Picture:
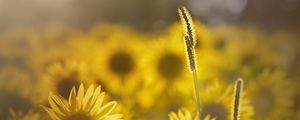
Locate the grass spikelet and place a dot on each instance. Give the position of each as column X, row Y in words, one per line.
column 187, row 21
column 189, row 37
column 190, row 43
column 237, row 98
column 190, row 53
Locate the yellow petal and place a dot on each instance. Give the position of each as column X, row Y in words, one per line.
column 80, row 96
column 88, row 95
column 98, row 104
column 106, row 109
column 54, row 105
column 72, row 99
column 51, row 113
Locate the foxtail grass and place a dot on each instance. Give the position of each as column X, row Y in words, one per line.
column 190, row 43
column 237, row 99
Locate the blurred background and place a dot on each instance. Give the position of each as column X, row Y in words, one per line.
column 134, row 49
column 149, row 16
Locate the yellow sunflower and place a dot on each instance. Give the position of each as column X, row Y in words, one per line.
column 143, row 93
column 85, row 104
column 246, row 52
column 166, row 53
column 165, row 63
column 271, row 95
column 216, row 101
column 61, row 76
column 122, row 57
column 184, row 114
column 165, row 58
column 118, row 60
column 204, row 38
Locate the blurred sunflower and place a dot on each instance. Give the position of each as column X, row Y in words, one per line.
column 118, row 61
column 184, row 114
column 165, row 63
column 19, row 115
column 61, row 76
column 15, row 89
column 204, row 37
column 216, row 101
column 271, row 96
column 244, row 53
column 121, row 58
column 166, row 59
column 82, row 104
column 167, row 53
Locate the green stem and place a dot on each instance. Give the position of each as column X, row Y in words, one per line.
column 197, row 92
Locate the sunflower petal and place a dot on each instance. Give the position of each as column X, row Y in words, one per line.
column 98, row 104
column 88, row 96
column 80, row 96
column 114, row 117
column 106, row 109
column 51, row 113
column 72, row 99
column 55, row 105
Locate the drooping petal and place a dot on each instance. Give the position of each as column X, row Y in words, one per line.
column 51, row 113
column 106, row 109
column 55, row 105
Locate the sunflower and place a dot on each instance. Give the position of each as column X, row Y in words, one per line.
column 271, row 96
column 207, row 57
column 244, row 53
column 122, row 57
column 216, row 101
column 15, row 89
column 166, row 58
column 166, row 53
column 118, row 60
column 61, row 76
column 83, row 104
column 165, row 63
column 184, row 114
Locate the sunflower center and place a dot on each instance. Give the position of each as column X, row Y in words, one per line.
column 249, row 59
column 263, row 102
column 121, row 63
column 229, row 75
column 170, row 66
column 65, row 85
column 198, row 44
column 220, row 44
column 216, row 110
column 79, row 116
column 296, row 102
column 12, row 101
